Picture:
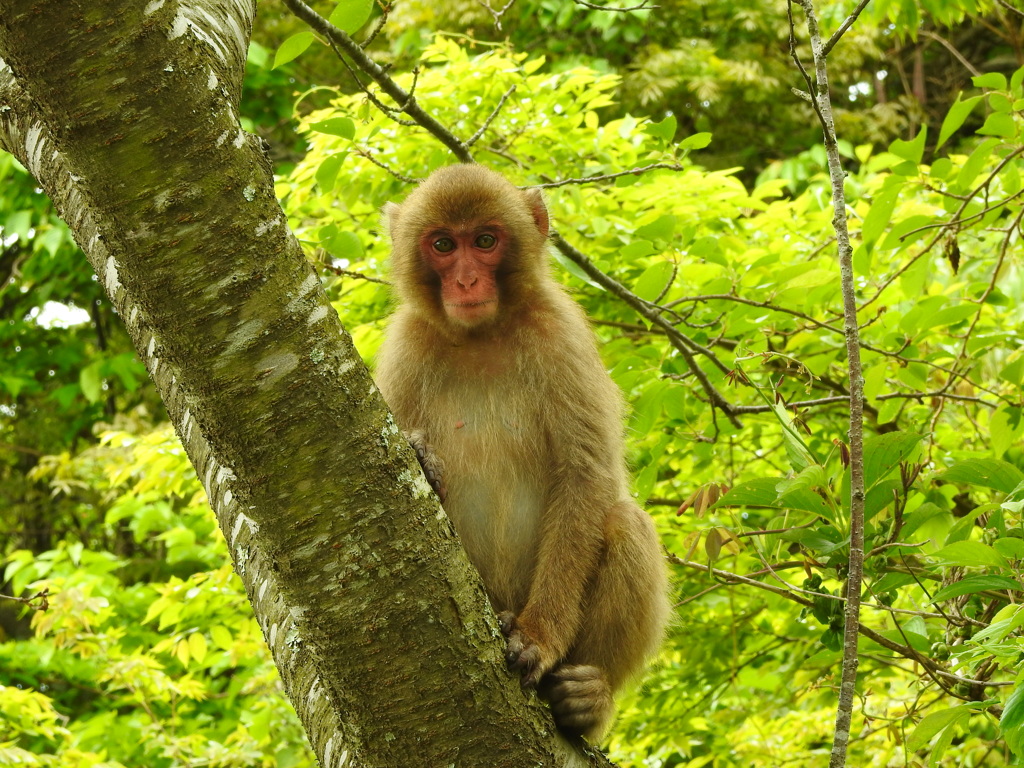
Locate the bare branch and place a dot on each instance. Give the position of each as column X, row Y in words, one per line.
column 843, row 28
column 903, row 650
column 609, row 176
column 490, row 118
column 593, row 6
column 496, row 14
column 1009, row 7
column 377, row 73
column 949, row 47
column 365, row 153
column 855, row 570
column 684, row 345
column 385, row 9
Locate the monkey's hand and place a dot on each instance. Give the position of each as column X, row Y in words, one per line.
column 431, row 464
column 526, row 652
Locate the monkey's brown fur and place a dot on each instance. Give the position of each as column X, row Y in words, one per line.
column 528, row 427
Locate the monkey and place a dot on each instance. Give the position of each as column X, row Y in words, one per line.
column 493, row 372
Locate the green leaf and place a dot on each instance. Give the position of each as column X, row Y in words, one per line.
column 910, row 150
column 753, row 493
column 999, row 102
column 807, row 500
column 341, row 245
column 936, row 722
column 336, row 126
column 880, row 213
column 709, row 249
column 971, row 554
column 988, row 473
column 799, row 454
column 883, row 453
column 665, row 130
column 1006, row 426
column 956, row 116
column 350, row 15
column 971, row 584
column 1015, row 81
column 995, row 81
column 91, row 382
column 1013, row 710
column 999, row 124
column 637, row 249
column 327, row 173
column 1008, row 619
column 18, row 223
column 697, row 141
column 654, row 280
column 1009, row 547
column 977, row 160
column 660, row 229
column 291, row 48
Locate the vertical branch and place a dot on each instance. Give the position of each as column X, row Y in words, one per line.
column 823, row 107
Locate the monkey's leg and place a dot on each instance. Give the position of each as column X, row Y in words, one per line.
column 624, row 618
column 432, row 466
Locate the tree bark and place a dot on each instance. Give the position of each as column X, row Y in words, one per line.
column 126, row 114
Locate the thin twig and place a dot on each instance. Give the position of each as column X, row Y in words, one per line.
column 642, row 7
column 497, row 14
column 377, row 73
column 385, row 11
column 609, row 176
column 949, row 47
column 490, row 118
column 365, row 153
column 902, row 650
column 682, row 343
column 1009, row 7
column 843, row 28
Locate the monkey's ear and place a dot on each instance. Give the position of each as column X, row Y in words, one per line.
column 535, row 200
column 389, row 216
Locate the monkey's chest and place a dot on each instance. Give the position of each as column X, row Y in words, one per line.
column 495, row 476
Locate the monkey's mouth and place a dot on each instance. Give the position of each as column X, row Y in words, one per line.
column 471, row 312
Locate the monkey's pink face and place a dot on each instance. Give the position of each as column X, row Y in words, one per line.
column 466, row 261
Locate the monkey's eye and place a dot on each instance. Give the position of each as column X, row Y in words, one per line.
column 444, row 245
column 486, row 241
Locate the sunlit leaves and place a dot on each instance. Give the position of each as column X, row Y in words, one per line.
column 350, row 15
column 292, row 48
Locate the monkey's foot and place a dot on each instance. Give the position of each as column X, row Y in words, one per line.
column 432, row 466
column 580, row 699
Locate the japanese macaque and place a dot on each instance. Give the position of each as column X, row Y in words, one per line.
column 493, row 372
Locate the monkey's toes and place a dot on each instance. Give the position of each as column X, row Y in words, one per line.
column 432, row 466
column 580, row 699
column 507, row 622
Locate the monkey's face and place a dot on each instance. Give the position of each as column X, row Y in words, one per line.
column 466, row 260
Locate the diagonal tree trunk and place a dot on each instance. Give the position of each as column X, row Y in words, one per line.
column 126, row 113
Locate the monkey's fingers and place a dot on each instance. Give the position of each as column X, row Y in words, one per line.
column 432, row 466
column 525, row 657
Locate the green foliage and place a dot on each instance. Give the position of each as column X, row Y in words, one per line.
column 750, row 276
column 150, row 659
column 147, row 654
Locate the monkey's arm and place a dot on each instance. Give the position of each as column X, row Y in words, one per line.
column 586, row 481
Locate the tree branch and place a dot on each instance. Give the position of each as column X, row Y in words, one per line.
column 823, row 107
